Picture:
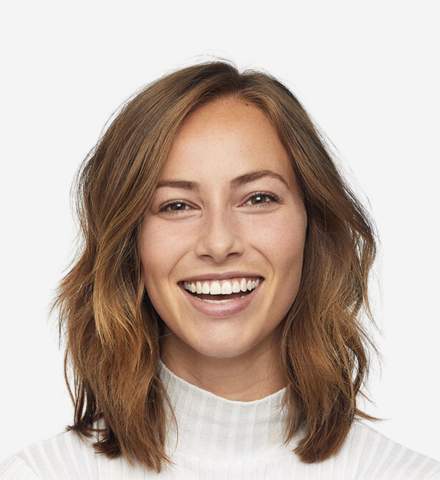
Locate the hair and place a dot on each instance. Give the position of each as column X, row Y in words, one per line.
column 112, row 330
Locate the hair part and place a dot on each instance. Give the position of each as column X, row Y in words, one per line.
column 112, row 330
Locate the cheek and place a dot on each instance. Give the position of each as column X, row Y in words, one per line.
column 281, row 239
column 160, row 248
column 278, row 237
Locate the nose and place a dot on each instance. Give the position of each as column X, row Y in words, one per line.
column 219, row 237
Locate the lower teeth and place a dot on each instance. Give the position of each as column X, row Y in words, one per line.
column 218, row 301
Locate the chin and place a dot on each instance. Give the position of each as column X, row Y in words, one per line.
column 219, row 352
column 227, row 347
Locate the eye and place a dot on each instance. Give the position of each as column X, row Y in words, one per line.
column 175, row 207
column 262, row 199
column 256, row 200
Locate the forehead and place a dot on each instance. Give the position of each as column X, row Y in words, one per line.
column 226, row 137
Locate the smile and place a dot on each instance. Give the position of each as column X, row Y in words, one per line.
column 222, row 287
column 221, row 298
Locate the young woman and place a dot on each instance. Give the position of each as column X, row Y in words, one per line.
column 212, row 316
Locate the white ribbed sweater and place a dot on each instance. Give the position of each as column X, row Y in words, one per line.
column 225, row 440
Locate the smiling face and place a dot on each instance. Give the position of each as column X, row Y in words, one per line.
column 227, row 205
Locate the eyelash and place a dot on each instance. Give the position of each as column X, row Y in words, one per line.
column 271, row 196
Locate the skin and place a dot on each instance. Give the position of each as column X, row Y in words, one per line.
column 222, row 229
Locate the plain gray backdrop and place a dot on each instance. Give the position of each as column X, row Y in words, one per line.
column 367, row 73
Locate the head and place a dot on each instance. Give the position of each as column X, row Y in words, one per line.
column 228, row 209
column 210, row 128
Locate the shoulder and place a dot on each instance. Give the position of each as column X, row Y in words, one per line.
column 372, row 455
column 64, row 456
column 67, row 456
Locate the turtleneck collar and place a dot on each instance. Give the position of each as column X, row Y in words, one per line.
column 212, row 428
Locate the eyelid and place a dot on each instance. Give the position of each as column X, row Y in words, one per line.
column 274, row 199
column 173, row 212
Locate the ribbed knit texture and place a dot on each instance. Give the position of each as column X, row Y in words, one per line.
column 224, row 440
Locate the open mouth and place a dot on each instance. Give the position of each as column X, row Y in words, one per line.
column 223, row 291
column 219, row 298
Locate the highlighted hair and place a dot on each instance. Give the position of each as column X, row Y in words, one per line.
column 112, row 330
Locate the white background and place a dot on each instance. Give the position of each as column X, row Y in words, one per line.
column 368, row 74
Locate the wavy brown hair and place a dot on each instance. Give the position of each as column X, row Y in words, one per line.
column 112, row 330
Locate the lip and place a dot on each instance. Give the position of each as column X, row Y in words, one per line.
column 222, row 310
column 220, row 276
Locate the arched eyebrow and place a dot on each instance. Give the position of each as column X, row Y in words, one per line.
column 234, row 183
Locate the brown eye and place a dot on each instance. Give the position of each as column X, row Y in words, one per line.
column 175, row 207
column 257, row 199
column 262, row 199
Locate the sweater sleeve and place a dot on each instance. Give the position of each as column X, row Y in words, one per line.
column 14, row 468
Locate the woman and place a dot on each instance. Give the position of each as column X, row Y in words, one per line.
column 212, row 315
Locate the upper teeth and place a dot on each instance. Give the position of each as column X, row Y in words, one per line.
column 223, row 287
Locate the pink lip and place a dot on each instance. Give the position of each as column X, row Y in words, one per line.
column 222, row 310
column 221, row 276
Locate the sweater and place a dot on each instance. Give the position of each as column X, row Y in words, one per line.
column 225, row 440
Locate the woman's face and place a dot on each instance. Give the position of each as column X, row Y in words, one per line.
column 227, row 216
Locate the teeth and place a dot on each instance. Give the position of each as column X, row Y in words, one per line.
column 221, row 288
column 215, row 289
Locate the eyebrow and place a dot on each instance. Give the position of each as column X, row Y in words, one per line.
column 236, row 182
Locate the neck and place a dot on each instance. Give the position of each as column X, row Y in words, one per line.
column 210, row 427
column 247, row 377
